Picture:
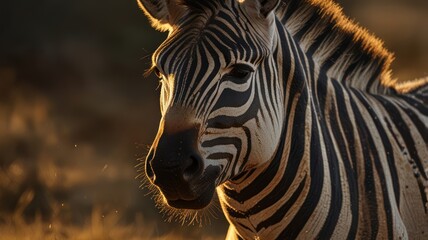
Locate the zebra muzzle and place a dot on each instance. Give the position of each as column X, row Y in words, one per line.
column 176, row 167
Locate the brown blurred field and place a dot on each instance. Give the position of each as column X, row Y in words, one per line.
column 76, row 114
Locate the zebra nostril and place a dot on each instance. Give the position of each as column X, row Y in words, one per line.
column 192, row 168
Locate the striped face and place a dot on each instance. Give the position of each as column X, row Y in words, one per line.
column 220, row 101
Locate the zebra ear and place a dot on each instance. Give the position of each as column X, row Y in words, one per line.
column 263, row 7
column 158, row 13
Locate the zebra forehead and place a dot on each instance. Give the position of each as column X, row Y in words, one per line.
column 207, row 42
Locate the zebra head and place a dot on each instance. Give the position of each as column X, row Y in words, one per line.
column 220, row 98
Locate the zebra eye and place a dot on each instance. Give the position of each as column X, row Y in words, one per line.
column 240, row 71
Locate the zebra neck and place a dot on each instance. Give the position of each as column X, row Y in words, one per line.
column 281, row 191
column 341, row 48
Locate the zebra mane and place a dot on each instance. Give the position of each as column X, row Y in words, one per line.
column 348, row 52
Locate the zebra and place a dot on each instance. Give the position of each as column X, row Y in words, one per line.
column 288, row 111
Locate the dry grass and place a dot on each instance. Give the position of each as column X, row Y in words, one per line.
column 98, row 227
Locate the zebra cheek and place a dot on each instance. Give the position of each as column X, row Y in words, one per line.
column 263, row 146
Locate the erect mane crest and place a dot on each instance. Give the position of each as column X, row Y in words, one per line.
column 348, row 52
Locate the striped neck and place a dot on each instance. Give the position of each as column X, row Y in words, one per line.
column 290, row 187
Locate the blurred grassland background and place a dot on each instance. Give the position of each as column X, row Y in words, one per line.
column 76, row 113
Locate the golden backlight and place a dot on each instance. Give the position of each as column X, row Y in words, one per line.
column 77, row 115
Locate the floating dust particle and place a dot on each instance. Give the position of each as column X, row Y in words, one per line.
column 104, row 168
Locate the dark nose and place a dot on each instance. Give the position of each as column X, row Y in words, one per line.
column 175, row 163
